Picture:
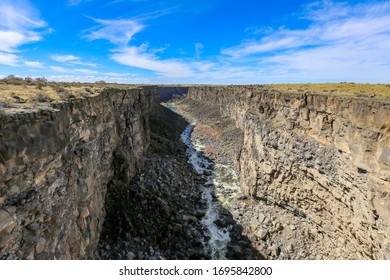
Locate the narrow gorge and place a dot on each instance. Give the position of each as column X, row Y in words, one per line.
column 198, row 172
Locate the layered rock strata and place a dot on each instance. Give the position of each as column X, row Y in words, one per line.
column 316, row 170
column 55, row 166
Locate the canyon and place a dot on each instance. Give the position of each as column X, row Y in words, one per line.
column 107, row 177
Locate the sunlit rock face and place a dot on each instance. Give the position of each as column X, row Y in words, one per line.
column 317, row 166
column 55, row 166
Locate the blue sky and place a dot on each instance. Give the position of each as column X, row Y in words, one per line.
column 202, row 41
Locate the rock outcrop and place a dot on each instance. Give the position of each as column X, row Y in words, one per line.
column 316, row 170
column 55, row 166
column 167, row 93
column 153, row 216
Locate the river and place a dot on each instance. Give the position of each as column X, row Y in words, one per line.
column 222, row 184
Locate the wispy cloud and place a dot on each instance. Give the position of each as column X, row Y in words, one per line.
column 198, row 49
column 59, row 69
column 170, row 69
column 76, row 2
column 341, row 42
column 33, row 64
column 118, row 32
column 71, row 59
column 20, row 24
column 64, row 58
column 122, row 1
column 9, row 59
column 140, row 57
column 86, row 71
column 116, row 74
column 156, row 14
column 82, row 71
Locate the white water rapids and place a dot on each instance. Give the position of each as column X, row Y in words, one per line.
column 216, row 184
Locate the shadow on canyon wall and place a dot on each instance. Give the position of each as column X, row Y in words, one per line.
column 157, row 214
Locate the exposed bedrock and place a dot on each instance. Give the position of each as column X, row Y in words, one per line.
column 55, row 166
column 167, row 93
column 151, row 216
column 318, row 166
column 315, row 171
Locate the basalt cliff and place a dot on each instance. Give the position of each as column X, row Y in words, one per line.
column 107, row 177
column 315, row 169
column 55, row 166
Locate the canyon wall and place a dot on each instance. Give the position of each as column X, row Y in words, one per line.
column 166, row 93
column 321, row 159
column 55, row 166
column 315, row 169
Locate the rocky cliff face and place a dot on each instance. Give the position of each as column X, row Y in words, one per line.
column 168, row 92
column 55, row 166
column 315, row 171
column 317, row 168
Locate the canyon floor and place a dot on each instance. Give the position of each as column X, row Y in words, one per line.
column 159, row 213
column 272, row 230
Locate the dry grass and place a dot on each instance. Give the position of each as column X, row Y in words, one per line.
column 32, row 94
column 22, row 98
column 51, row 92
column 378, row 91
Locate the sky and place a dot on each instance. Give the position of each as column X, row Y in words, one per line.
column 192, row 42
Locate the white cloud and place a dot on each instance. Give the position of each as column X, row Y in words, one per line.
column 73, row 78
column 198, row 49
column 203, row 66
column 11, row 40
column 33, row 64
column 15, row 60
column 64, row 58
column 169, row 69
column 59, row 69
column 118, row 32
column 78, row 70
column 342, row 43
column 19, row 15
column 86, row 71
column 268, row 44
column 138, row 57
column 71, row 59
column 9, row 59
column 109, row 79
column 113, row 74
column 17, row 25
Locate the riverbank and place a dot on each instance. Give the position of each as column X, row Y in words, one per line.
column 269, row 232
column 173, row 209
column 224, row 239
